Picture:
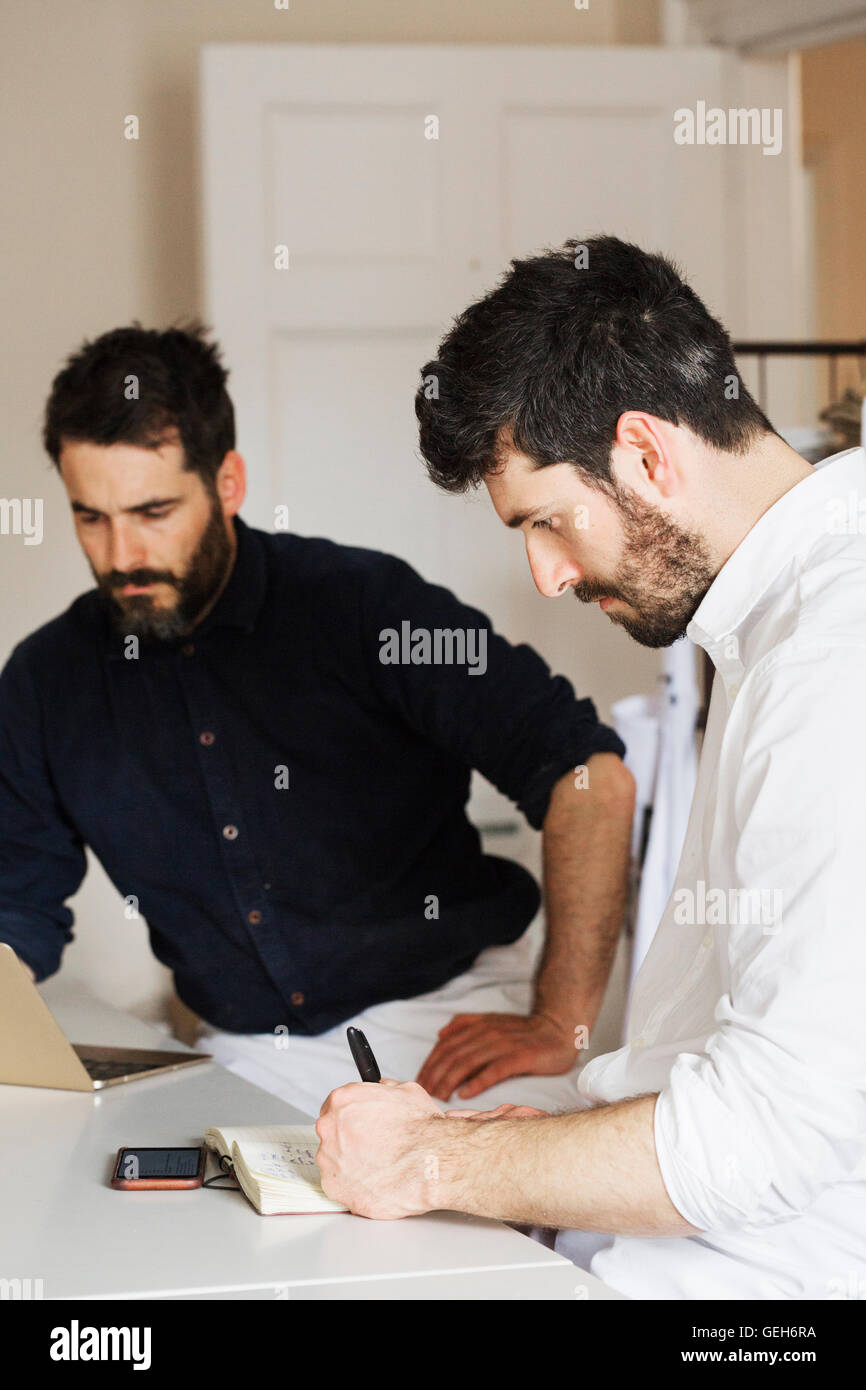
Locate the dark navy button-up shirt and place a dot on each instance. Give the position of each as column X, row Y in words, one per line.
column 281, row 795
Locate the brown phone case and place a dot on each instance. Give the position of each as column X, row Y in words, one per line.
column 160, row 1184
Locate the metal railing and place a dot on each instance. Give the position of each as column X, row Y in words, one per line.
column 832, row 350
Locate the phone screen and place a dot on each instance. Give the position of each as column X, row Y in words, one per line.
column 158, row 1163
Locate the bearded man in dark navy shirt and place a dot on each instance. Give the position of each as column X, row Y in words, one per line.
column 251, row 734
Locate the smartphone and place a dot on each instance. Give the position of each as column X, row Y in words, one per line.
column 140, row 1169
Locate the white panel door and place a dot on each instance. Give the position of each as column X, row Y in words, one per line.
column 323, row 149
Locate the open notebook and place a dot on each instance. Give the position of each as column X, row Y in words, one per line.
column 275, row 1166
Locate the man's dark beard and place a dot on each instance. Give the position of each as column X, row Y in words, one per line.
column 665, row 574
column 136, row 615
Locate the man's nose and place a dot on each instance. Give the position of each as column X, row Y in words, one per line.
column 554, row 571
column 126, row 551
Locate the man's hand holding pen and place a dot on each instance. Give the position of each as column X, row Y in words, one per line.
column 373, row 1145
column 385, row 1148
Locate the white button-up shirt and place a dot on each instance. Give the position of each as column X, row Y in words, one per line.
column 749, row 1013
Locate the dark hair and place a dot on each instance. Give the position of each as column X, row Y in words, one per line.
column 180, row 385
column 556, row 353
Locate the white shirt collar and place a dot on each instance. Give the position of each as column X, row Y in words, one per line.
column 788, row 529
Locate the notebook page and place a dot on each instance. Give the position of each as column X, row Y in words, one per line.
column 283, row 1160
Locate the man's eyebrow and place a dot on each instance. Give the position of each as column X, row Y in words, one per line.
column 139, row 507
column 518, row 519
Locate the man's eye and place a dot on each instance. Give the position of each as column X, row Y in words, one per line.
column 157, row 515
column 542, row 525
column 87, row 520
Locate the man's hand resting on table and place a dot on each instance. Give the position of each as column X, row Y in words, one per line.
column 475, row 1051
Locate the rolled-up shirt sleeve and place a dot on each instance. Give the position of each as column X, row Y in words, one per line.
column 750, row 1129
column 502, row 713
column 42, row 859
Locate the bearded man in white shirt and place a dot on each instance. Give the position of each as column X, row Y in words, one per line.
column 722, row 1150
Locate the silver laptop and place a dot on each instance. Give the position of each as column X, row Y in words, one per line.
column 34, row 1050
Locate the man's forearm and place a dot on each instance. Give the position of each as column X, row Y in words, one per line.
column 586, row 840
column 595, row 1170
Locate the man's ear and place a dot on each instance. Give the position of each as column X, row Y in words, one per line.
column 645, row 454
column 231, row 483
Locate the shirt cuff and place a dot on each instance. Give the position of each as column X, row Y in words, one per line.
column 714, row 1171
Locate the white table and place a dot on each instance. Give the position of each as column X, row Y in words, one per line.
column 62, row 1223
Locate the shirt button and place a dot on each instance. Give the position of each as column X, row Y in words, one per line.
column 188, row 648
column 297, row 998
column 206, row 738
column 255, row 916
column 230, row 832
column 707, row 941
column 639, row 1042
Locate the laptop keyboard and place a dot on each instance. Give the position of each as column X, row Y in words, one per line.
column 107, row 1071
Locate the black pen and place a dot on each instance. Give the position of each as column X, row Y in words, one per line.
column 363, row 1055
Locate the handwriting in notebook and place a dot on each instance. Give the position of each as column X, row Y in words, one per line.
column 285, row 1160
